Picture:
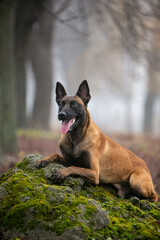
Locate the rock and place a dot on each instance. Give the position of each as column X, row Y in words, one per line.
column 31, row 207
column 75, row 183
column 74, row 234
column 3, row 193
column 145, row 206
column 100, row 217
column 135, row 201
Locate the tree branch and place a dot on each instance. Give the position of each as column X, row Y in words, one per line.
column 56, row 16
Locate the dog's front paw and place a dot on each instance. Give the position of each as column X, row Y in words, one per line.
column 41, row 163
column 58, row 176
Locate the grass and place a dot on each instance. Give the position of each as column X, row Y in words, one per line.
column 36, row 133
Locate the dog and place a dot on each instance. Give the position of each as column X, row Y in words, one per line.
column 88, row 153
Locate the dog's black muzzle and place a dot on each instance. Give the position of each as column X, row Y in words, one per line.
column 62, row 116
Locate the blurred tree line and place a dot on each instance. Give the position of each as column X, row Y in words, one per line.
column 137, row 23
column 27, row 31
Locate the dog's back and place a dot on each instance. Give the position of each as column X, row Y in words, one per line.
column 119, row 165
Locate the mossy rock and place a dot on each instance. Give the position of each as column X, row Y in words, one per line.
column 32, row 208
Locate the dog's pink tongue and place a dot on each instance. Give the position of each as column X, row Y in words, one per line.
column 66, row 126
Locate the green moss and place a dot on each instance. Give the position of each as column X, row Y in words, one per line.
column 14, row 239
column 23, row 194
column 27, row 166
column 30, row 202
column 90, row 209
column 127, row 221
column 28, row 198
column 67, row 214
column 16, row 215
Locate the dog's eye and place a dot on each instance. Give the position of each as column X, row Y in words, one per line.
column 74, row 104
column 62, row 103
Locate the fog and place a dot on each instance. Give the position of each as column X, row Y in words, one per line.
column 118, row 78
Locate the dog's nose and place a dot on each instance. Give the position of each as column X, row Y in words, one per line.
column 62, row 115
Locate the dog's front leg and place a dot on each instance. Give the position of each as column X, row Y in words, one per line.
column 51, row 158
column 91, row 175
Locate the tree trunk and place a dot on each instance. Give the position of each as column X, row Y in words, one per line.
column 7, row 94
column 26, row 14
column 153, row 80
column 41, row 57
column 150, row 99
column 148, row 120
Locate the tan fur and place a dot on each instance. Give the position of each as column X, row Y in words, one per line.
column 110, row 162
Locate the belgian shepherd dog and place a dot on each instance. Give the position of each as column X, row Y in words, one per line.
column 88, row 153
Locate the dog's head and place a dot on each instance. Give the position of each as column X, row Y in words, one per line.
column 72, row 110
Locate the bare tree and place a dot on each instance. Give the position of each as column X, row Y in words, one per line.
column 7, row 95
column 41, row 57
column 34, row 39
column 153, row 84
column 27, row 13
column 137, row 26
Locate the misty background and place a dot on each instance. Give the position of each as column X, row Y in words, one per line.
column 115, row 45
column 125, row 93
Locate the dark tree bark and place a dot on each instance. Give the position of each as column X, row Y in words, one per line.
column 7, row 96
column 26, row 14
column 41, row 57
column 34, row 29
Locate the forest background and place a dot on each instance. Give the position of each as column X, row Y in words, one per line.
column 115, row 45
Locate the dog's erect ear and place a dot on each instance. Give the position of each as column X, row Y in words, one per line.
column 60, row 92
column 83, row 92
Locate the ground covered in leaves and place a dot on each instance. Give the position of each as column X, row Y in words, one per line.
column 31, row 207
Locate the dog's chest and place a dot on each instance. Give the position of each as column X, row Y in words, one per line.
column 76, row 157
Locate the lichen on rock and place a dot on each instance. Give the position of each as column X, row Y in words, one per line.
column 31, row 207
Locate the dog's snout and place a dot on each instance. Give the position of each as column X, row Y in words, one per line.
column 62, row 115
